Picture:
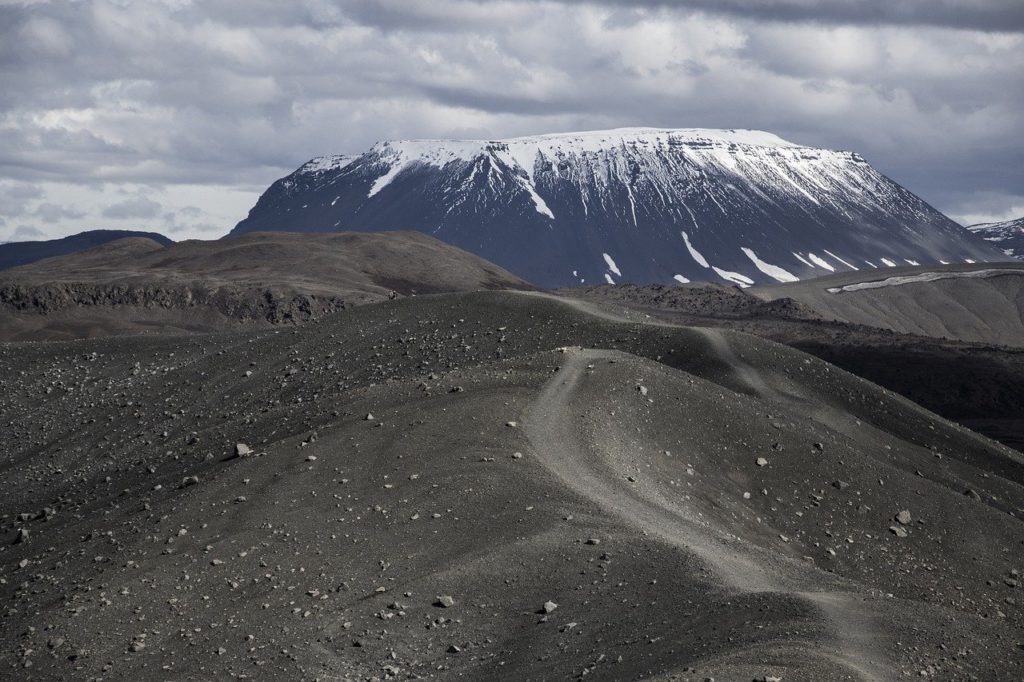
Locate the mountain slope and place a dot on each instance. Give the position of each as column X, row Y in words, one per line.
column 979, row 303
column 635, row 204
column 135, row 285
column 1007, row 235
column 14, row 254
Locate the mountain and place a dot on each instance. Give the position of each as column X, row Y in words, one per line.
column 634, row 204
column 1007, row 236
column 13, row 254
column 135, row 285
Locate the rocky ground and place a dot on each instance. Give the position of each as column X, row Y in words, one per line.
column 493, row 485
column 979, row 384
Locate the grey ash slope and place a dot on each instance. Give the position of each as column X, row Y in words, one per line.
column 134, row 285
column 979, row 303
column 154, row 553
column 14, row 254
column 1007, row 235
column 635, row 205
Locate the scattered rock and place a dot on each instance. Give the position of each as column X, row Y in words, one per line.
column 903, row 517
column 898, row 531
column 840, row 485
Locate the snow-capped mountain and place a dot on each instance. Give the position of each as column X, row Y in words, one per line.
column 1008, row 236
column 635, row 204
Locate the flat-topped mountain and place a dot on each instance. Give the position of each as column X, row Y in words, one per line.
column 635, row 204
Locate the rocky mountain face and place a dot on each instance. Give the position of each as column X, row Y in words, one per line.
column 636, row 205
column 1007, row 236
column 14, row 254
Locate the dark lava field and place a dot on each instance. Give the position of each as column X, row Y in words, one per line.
column 493, row 486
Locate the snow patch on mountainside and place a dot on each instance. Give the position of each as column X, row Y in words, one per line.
column 322, row 164
column 923, row 277
column 821, row 262
column 697, row 256
column 774, row 271
column 611, row 264
column 734, row 277
column 849, row 265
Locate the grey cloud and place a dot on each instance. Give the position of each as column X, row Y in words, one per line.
column 15, row 197
column 25, row 232
column 133, row 207
column 55, row 213
column 982, row 15
column 238, row 93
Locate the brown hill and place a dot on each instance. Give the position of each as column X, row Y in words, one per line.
column 134, row 285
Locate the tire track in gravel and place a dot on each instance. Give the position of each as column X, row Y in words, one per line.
column 552, row 426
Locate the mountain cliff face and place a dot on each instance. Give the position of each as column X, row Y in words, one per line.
column 1007, row 236
column 638, row 205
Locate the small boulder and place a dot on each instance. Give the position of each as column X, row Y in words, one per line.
column 242, row 450
column 444, row 601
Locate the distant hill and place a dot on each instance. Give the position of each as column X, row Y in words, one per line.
column 135, row 285
column 1007, row 235
column 13, row 254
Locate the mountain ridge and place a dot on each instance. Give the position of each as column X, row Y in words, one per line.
column 13, row 254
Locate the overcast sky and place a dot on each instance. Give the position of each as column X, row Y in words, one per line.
column 173, row 115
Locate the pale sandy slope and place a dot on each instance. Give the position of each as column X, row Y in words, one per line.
column 982, row 302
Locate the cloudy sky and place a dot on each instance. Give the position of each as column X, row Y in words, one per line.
column 173, row 115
